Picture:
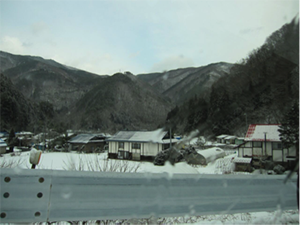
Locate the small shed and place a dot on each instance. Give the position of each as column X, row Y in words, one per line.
column 221, row 138
column 242, row 164
column 203, row 157
column 3, row 146
column 230, row 139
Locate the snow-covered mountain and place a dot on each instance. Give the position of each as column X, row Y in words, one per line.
column 46, row 80
column 181, row 84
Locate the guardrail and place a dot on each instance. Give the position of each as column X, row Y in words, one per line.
column 53, row 195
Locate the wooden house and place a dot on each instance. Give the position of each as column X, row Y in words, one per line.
column 87, row 142
column 138, row 145
column 262, row 141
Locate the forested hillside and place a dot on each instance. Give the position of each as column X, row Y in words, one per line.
column 120, row 102
column 261, row 89
column 40, row 79
column 16, row 110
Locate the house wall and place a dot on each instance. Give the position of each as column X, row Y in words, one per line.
column 147, row 149
column 266, row 149
column 127, row 147
column 151, row 149
column 112, row 147
column 245, row 150
column 277, row 156
column 87, row 147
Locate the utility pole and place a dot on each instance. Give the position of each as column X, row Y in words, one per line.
column 265, row 134
column 170, row 130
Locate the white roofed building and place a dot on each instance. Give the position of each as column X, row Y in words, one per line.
column 138, row 145
column 263, row 141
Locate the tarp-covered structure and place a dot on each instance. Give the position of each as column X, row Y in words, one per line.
column 203, row 157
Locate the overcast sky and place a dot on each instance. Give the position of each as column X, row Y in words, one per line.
column 140, row 36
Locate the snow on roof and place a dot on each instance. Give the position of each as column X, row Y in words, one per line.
column 230, row 137
column 207, row 153
column 141, row 136
column 167, row 141
column 85, row 138
column 24, row 133
column 222, row 136
column 241, row 160
column 257, row 132
column 2, row 143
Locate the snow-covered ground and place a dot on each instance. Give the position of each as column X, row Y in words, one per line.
column 99, row 162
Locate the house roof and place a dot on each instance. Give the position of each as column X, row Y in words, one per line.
column 24, row 133
column 141, row 136
column 2, row 143
column 85, row 138
column 222, row 136
column 230, row 137
column 257, row 132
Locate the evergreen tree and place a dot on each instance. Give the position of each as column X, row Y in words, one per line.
column 289, row 130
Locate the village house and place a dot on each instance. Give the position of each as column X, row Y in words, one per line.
column 262, row 142
column 139, row 145
column 87, row 142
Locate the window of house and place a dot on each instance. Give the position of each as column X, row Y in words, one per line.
column 257, row 144
column 276, row 145
column 123, row 154
column 136, row 145
column 121, row 145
